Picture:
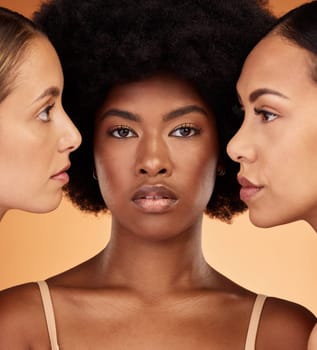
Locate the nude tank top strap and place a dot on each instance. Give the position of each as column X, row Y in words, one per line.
column 49, row 314
column 254, row 322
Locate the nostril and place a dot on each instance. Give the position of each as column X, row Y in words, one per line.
column 150, row 172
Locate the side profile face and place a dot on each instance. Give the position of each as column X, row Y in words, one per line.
column 36, row 136
column 276, row 145
column 156, row 151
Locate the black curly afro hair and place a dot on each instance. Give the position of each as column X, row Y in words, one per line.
column 102, row 43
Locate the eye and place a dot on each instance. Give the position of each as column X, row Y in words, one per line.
column 266, row 115
column 44, row 116
column 122, row 132
column 185, row 131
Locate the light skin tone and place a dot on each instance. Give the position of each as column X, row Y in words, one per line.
column 151, row 287
column 36, row 135
column 276, row 144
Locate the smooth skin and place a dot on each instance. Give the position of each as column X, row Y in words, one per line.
column 36, row 135
column 276, row 144
column 156, row 153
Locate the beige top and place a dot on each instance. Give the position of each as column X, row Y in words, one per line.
column 51, row 325
column 49, row 314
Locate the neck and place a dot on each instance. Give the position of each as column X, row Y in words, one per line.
column 312, row 220
column 313, row 224
column 155, row 266
column 2, row 212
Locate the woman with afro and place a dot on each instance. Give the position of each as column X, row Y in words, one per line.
column 150, row 85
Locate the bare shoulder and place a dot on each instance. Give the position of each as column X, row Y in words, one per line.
column 284, row 325
column 22, row 321
column 312, row 344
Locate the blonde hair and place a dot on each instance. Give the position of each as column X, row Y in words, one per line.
column 16, row 32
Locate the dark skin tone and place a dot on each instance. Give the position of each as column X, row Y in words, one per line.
column 151, row 287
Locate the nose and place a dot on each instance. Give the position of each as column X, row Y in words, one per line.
column 70, row 139
column 153, row 158
column 241, row 147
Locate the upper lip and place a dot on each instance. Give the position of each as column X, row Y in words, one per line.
column 154, row 191
column 244, row 182
column 62, row 170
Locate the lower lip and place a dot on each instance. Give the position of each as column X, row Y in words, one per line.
column 246, row 193
column 62, row 177
column 155, row 205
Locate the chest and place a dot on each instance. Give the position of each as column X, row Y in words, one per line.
column 155, row 329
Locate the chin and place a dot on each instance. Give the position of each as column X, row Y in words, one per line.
column 265, row 221
column 43, row 206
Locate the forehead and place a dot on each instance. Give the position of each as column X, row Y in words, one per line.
column 39, row 62
column 158, row 87
column 160, row 96
column 38, row 71
column 276, row 61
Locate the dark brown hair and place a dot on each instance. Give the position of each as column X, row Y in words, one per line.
column 102, row 43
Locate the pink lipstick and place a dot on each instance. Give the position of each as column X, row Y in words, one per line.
column 62, row 175
column 248, row 189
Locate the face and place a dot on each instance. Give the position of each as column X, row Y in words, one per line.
column 276, row 144
column 36, row 136
column 156, row 152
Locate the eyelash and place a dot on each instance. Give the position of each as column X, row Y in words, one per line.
column 238, row 110
column 47, row 111
column 119, row 128
column 266, row 115
column 115, row 131
column 192, row 129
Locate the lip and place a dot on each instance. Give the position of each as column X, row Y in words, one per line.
column 248, row 189
column 62, row 175
column 154, row 199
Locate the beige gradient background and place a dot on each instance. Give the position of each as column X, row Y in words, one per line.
column 280, row 261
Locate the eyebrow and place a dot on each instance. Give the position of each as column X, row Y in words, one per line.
column 114, row 112
column 51, row 91
column 185, row 110
column 259, row 92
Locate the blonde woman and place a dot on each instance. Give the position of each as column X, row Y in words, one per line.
column 36, row 135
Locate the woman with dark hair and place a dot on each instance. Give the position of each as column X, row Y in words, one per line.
column 150, row 84
column 276, row 144
column 36, row 135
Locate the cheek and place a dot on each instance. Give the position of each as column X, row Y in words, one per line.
column 19, row 158
column 113, row 171
column 208, row 175
column 302, row 167
column 111, row 163
column 200, row 172
column 291, row 160
column 209, row 161
column 291, row 175
column 201, row 158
